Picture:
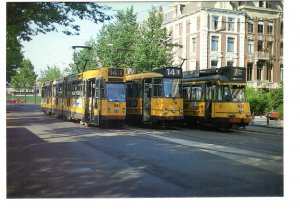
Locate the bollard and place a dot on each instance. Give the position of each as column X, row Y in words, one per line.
column 268, row 119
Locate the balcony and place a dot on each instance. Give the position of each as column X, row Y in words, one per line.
column 262, row 55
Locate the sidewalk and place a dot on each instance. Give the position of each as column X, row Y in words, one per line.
column 262, row 121
column 259, row 124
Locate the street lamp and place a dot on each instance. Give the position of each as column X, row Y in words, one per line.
column 35, row 76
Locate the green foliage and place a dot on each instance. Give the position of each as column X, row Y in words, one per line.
column 14, row 57
column 150, row 51
column 262, row 101
column 125, row 44
column 116, row 41
column 50, row 73
column 26, row 19
column 85, row 58
column 25, row 77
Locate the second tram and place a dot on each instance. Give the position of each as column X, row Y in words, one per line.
column 155, row 97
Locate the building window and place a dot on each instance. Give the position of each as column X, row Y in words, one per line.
column 260, row 27
column 281, row 48
column 249, row 71
column 214, row 64
column 229, row 63
column 250, row 27
column 269, row 69
column 215, row 22
column 214, row 43
column 230, row 26
column 281, row 28
column 260, row 45
column 193, row 45
column 270, row 47
column 230, row 44
column 259, row 71
column 250, row 46
column 270, row 29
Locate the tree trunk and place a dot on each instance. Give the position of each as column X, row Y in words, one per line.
column 25, row 96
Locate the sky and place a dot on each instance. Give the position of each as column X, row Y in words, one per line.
column 55, row 48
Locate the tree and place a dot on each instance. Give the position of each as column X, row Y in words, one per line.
column 26, row 19
column 262, row 101
column 116, row 41
column 50, row 73
column 86, row 58
column 125, row 44
column 25, row 77
column 151, row 52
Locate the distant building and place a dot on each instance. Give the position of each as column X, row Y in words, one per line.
column 13, row 92
column 216, row 34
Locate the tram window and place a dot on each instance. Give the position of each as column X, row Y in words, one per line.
column 227, row 93
column 196, row 93
column 238, row 93
column 172, row 87
column 211, row 92
column 186, row 93
column 129, row 89
column 157, row 88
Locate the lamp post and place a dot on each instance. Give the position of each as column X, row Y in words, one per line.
column 35, row 88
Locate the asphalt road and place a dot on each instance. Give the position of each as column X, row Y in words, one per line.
column 51, row 158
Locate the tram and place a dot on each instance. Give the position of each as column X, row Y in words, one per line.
column 46, row 97
column 154, row 97
column 92, row 97
column 216, row 97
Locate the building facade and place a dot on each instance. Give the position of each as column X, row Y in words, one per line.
column 264, row 43
column 216, row 34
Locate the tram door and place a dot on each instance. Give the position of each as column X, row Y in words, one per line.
column 208, row 101
column 97, row 99
column 147, row 99
column 90, row 99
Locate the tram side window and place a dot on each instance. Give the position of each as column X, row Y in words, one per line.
column 135, row 89
column 227, row 93
column 102, row 91
column 211, row 92
column 157, row 88
column 187, row 93
column 129, row 90
column 197, row 93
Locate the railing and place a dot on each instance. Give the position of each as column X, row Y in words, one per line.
column 261, row 55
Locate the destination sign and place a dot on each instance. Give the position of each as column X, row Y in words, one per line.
column 115, row 72
column 170, row 72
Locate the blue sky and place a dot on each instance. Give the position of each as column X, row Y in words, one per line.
column 55, row 48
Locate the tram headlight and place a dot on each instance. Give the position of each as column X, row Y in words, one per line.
column 173, row 110
column 123, row 110
column 181, row 110
column 231, row 115
column 241, row 111
column 116, row 109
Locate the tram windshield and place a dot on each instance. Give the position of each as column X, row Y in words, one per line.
column 115, row 92
column 171, row 87
column 231, row 93
column 238, row 93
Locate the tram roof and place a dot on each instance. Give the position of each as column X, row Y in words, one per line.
column 143, row 76
column 213, row 78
